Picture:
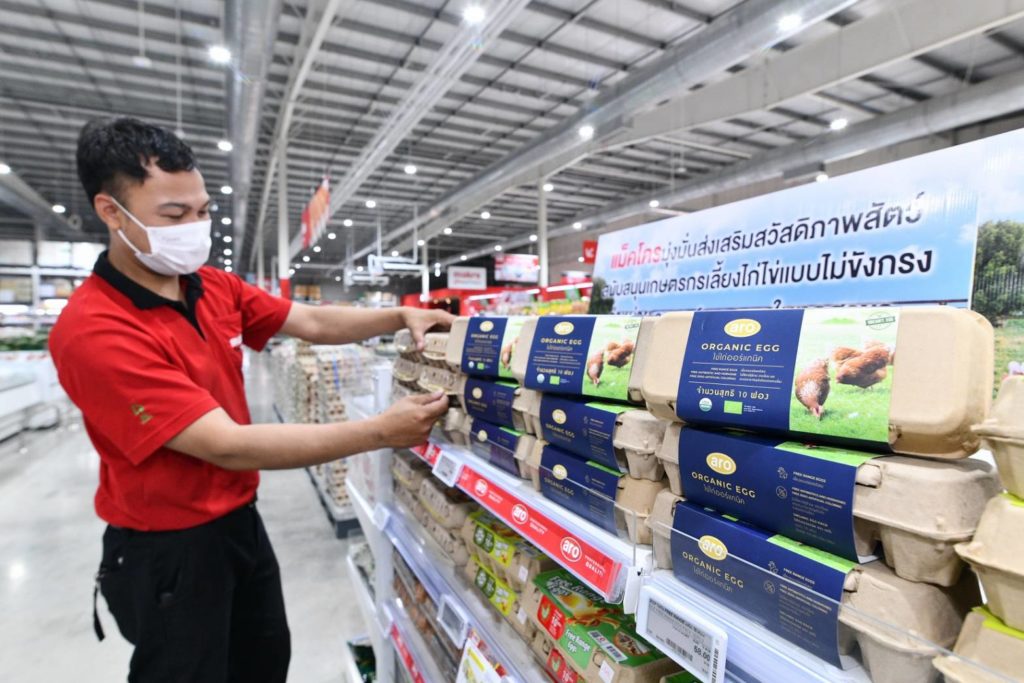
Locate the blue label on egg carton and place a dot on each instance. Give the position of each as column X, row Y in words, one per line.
column 825, row 372
column 495, row 444
column 489, row 345
column 584, row 487
column 583, row 429
column 800, row 491
column 583, row 355
column 490, row 401
column 792, row 590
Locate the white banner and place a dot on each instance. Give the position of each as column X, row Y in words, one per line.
column 464, row 277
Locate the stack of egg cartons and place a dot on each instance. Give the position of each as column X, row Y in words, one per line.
column 786, row 531
column 595, row 449
column 993, row 635
column 407, row 367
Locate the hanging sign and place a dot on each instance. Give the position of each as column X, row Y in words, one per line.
column 316, row 215
column 589, row 251
column 464, row 277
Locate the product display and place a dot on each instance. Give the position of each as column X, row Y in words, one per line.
column 1003, row 434
column 449, row 507
column 503, row 447
column 929, row 368
column 997, row 555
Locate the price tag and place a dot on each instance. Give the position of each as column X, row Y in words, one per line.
column 686, row 636
column 453, row 621
column 447, row 469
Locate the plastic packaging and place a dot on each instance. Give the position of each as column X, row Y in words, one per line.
column 997, row 555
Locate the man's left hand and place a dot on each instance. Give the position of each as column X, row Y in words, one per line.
column 423, row 320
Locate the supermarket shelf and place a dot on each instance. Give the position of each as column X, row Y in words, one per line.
column 378, row 634
column 753, row 652
column 341, row 517
column 443, row 582
column 610, row 565
column 412, row 651
column 366, row 515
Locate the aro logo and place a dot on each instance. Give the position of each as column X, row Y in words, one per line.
column 713, row 548
column 486, row 326
column 560, row 472
column 742, row 327
column 571, row 549
column 559, row 416
column 564, row 328
column 520, row 515
column 478, row 393
column 480, row 488
column 721, row 463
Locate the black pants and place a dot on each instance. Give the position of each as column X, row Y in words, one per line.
column 201, row 605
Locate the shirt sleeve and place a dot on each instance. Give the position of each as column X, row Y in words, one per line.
column 129, row 391
column 263, row 314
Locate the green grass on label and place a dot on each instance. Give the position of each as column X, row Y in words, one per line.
column 1009, row 346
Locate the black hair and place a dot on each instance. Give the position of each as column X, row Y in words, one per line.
column 113, row 151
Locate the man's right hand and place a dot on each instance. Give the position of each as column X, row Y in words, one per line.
column 408, row 422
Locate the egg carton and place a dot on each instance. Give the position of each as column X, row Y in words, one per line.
column 520, row 403
column 406, row 346
column 917, row 509
column 517, row 459
column 659, row 523
column 457, row 342
column 987, row 641
column 942, row 370
column 449, row 541
column 997, row 555
column 1003, row 434
column 405, row 370
column 434, row 378
column 454, row 423
column 448, row 506
column 408, row 471
column 435, row 346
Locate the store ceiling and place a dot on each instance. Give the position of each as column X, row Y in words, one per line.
column 63, row 62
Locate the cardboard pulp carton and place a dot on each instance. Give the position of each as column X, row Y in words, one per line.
column 598, row 640
column 435, row 345
column 1003, row 434
column 505, row 448
column 405, row 370
column 600, row 356
column 449, row 541
column 660, row 525
column 610, row 499
column 997, row 555
column 526, row 403
column 984, row 640
column 917, row 509
column 928, row 369
column 639, row 437
column 899, row 625
column 454, row 424
column 433, row 378
column 409, row 472
column 483, row 347
column 448, row 506
column 500, row 548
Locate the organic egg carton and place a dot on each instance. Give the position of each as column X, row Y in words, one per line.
column 917, row 509
column 1003, row 434
column 659, row 523
column 476, row 434
column 457, row 337
column 997, row 555
column 942, row 368
column 987, row 641
column 476, row 396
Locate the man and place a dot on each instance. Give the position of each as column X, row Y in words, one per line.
column 149, row 348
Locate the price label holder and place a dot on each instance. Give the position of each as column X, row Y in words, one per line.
column 682, row 633
column 381, row 514
column 406, row 656
column 447, row 468
column 453, row 620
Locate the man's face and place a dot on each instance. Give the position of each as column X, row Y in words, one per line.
column 164, row 199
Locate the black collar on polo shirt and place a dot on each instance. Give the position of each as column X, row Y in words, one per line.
column 145, row 299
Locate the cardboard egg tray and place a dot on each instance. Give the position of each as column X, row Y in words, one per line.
column 409, row 471
column 917, row 509
column 454, row 423
column 997, row 555
column 942, row 370
column 435, row 345
column 448, row 506
column 659, row 523
column 985, row 640
column 1003, row 434
column 449, row 541
column 434, row 378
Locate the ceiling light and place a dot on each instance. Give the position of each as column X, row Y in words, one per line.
column 4, row 169
column 420, row 243
column 359, row 269
column 226, row 189
column 654, row 203
column 497, row 247
column 59, row 208
column 548, row 187
column 347, row 223
column 219, row 54
column 821, row 177
column 681, row 169
column 227, row 262
column 533, row 238
column 142, row 61
column 437, row 264
column 410, row 169
column 586, row 132
column 394, row 253
column 463, row 257
column 215, row 207
column 227, row 252
column 317, row 249
column 474, row 14
column 790, row 22
column 225, row 145
column 447, row 231
column 305, row 259
column 485, row 215
column 370, row 204
column 291, row 271
column 332, row 235
column 577, row 226
column 838, row 124
column 227, row 239
column 180, row 132
column 580, row 259
column 337, row 278
column 297, row 266
column 225, row 221
column 228, row 269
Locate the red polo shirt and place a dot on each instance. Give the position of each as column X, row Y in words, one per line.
column 141, row 368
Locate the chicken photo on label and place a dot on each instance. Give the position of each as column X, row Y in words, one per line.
column 865, row 369
column 812, row 387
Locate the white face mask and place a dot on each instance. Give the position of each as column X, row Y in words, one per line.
column 174, row 249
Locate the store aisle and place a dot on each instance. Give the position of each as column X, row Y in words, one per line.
column 50, row 545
